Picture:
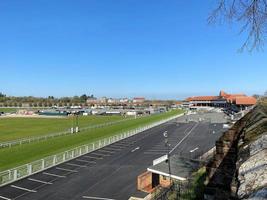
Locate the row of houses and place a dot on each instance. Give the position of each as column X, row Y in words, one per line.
column 105, row 100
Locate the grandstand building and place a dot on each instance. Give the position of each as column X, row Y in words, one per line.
column 224, row 100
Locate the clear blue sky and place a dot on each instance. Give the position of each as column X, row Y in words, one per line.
column 151, row 48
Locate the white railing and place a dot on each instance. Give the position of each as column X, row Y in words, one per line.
column 9, row 144
column 25, row 170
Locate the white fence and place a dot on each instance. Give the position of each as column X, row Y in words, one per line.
column 23, row 171
column 52, row 135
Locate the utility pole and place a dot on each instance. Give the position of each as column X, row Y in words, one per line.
column 167, row 144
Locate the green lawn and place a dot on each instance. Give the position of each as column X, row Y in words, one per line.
column 18, row 155
column 8, row 110
column 18, row 128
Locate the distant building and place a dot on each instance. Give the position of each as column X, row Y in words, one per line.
column 138, row 100
column 224, row 100
column 124, row 100
column 103, row 100
column 92, row 100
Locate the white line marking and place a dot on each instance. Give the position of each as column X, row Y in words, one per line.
column 99, row 198
column 113, row 149
column 39, row 181
column 105, row 151
column 86, row 161
column 183, row 138
column 117, row 146
column 191, row 151
column 137, row 148
column 157, row 150
column 120, row 145
column 162, row 153
column 98, row 158
column 50, row 174
column 100, row 154
column 5, row 198
column 21, row 188
column 75, row 165
column 67, row 170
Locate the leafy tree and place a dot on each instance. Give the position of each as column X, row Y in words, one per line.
column 83, row 97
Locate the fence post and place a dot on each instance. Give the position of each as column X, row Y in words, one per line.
column 72, row 154
column 43, row 164
column 15, row 175
column 54, row 160
column 29, row 169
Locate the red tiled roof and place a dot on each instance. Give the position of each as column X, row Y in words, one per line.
column 244, row 100
column 202, row 98
column 239, row 99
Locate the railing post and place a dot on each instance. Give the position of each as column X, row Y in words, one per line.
column 64, row 156
column 29, row 169
column 43, row 164
column 54, row 160
column 15, row 174
column 93, row 146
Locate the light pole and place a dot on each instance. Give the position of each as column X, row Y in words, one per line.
column 167, row 144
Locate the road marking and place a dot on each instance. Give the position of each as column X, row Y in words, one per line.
column 67, row 170
column 98, row 158
column 184, row 138
column 117, row 146
column 122, row 144
column 5, row 198
column 105, row 151
column 163, row 150
column 162, row 153
column 113, row 149
column 99, row 198
column 86, row 161
column 22, row 188
column 137, row 148
column 100, row 154
column 50, row 174
column 39, row 181
column 75, row 165
column 191, row 151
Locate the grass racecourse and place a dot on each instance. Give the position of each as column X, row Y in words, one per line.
column 18, row 128
column 22, row 154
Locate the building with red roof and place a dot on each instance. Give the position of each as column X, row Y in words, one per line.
column 223, row 100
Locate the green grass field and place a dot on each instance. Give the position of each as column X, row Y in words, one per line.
column 18, row 155
column 18, row 128
column 8, row 110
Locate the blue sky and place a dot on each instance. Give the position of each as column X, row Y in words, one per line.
column 151, row 48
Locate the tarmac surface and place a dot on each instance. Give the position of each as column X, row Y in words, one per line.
column 111, row 172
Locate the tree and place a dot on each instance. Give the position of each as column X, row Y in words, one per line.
column 2, row 95
column 251, row 13
column 83, row 98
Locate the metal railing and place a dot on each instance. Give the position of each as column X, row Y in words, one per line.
column 9, row 144
column 34, row 167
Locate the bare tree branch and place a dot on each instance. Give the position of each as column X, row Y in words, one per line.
column 252, row 14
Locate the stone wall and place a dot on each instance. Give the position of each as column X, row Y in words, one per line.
column 238, row 169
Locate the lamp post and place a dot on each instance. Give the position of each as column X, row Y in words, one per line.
column 167, row 144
